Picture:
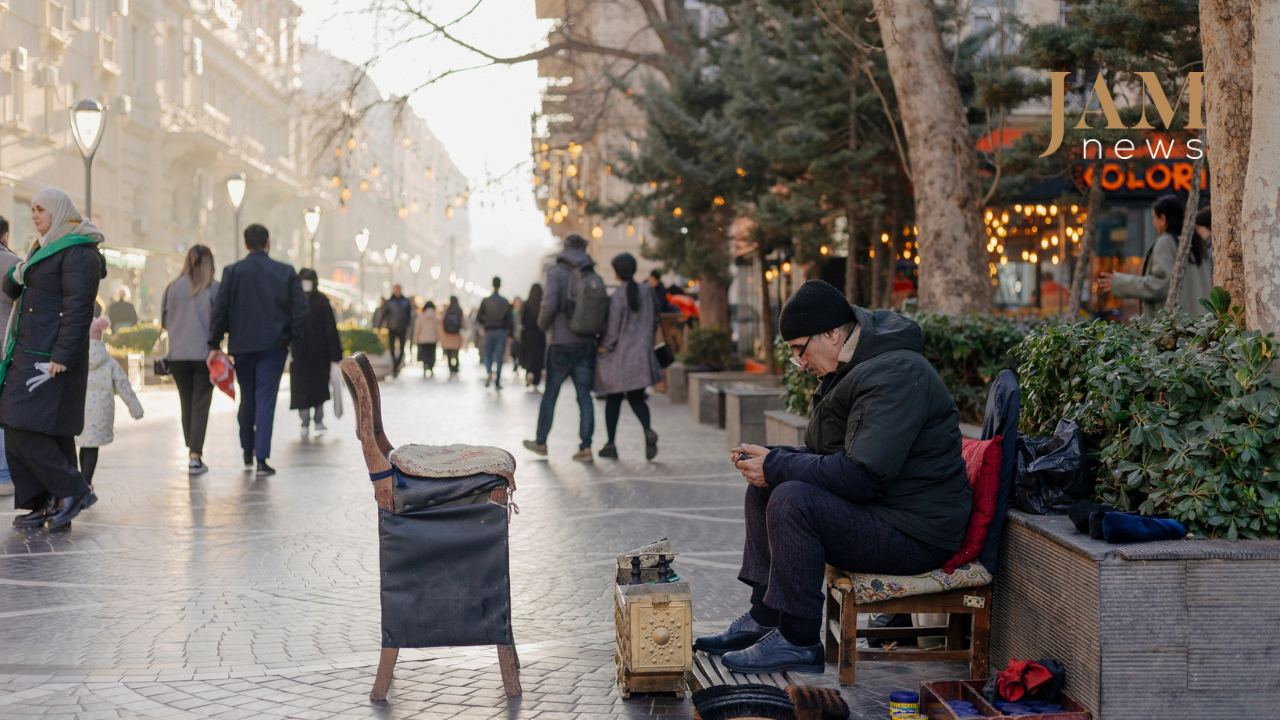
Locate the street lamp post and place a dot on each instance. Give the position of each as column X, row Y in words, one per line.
column 415, row 264
column 87, row 120
column 312, row 219
column 237, row 183
column 362, row 244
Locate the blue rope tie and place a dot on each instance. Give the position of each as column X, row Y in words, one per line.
column 373, row 477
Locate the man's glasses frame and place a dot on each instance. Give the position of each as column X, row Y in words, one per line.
column 795, row 359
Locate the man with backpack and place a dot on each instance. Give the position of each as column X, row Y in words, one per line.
column 496, row 320
column 575, row 310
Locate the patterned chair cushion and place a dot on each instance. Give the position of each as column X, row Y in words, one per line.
column 866, row 588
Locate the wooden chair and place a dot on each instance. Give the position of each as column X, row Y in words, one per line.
column 379, row 458
column 842, row 631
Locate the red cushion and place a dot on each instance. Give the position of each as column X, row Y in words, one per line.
column 982, row 459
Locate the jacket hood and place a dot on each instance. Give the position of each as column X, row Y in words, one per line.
column 576, row 257
column 882, row 331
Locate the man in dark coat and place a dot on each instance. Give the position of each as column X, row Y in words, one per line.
column 495, row 317
column 47, row 367
column 262, row 309
column 313, row 352
column 396, row 315
column 879, row 485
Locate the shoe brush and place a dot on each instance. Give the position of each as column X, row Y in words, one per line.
column 817, row 703
column 743, row 702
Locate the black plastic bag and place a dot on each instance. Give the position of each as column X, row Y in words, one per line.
column 1051, row 473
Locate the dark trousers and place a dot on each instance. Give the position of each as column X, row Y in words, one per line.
column 42, row 466
column 195, row 392
column 259, row 376
column 452, row 357
column 577, row 361
column 796, row 529
column 427, row 354
column 396, row 340
column 613, row 410
column 494, row 348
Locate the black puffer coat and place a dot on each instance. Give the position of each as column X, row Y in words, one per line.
column 53, row 325
column 313, row 351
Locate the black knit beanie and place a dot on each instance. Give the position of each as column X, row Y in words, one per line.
column 814, row 309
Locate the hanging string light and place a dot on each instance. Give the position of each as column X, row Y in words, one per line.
column 351, row 143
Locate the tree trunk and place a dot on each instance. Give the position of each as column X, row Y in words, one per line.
column 766, row 315
column 944, row 164
column 1087, row 244
column 1171, row 301
column 1260, row 226
column 1226, row 32
column 713, row 302
column 851, row 262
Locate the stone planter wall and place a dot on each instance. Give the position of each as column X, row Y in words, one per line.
column 784, row 428
column 704, row 401
column 1184, row 629
column 744, row 410
column 677, row 376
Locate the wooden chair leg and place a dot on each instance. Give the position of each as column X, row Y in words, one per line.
column 509, row 663
column 831, row 642
column 847, row 668
column 979, row 661
column 386, row 668
column 955, row 631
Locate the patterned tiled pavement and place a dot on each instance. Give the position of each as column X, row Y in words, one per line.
column 226, row 596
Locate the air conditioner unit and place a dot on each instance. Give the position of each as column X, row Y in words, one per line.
column 119, row 7
column 18, row 59
column 47, row 77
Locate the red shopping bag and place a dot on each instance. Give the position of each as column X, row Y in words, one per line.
column 223, row 374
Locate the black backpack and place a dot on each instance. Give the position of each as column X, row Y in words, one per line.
column 586, row 302
column 453, row 320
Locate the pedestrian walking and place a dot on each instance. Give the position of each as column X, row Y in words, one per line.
column 261, row 310
column 513, row 346
column 654, row 281
column 121, row 312
column 574, row 298
column 426, row 334
column 396, row 315
column 533, row 342
column 451, row 327
column 312, row 354
column 1152, row 286
column 45, row 372
column 186, row 314
column 106, row 380
column 7, row 260
column 627, row 363
column 494, row 316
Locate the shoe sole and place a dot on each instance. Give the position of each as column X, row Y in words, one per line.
column 198, row 471
column 720, row 652
column 539, row 453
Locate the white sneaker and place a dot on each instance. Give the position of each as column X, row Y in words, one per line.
column 306, row 430
column 320, row 428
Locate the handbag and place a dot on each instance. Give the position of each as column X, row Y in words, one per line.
column 666, row 356
column 161, row 366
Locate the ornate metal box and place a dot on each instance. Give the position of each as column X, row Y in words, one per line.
column 655, row 643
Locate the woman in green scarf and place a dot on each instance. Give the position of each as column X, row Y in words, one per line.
column 45, row 369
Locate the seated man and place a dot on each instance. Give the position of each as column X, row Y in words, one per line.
column 879, row 487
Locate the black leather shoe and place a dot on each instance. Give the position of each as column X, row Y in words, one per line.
column 36, row 518
column 742, row 634
column 774, row 654
column 68, row 508
column 608, row 451
column 248, row 460
column 264, row 469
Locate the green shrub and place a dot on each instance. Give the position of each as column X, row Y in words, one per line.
column 968, row 352
column 797, row 385
column 708, row 347
column 137, row 338
column 1181, row 415
column 357, row 339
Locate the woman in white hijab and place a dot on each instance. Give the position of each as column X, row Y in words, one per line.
column 45, row 371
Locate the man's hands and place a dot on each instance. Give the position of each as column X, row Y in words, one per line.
column 1104, row 282
column 213, row 355
column 55, row 368
column 750, row 460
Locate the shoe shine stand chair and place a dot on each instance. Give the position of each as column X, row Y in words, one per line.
column 442, row 539
column 966, row 591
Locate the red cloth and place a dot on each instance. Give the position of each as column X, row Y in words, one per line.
column 223, row 374
column 982, row 459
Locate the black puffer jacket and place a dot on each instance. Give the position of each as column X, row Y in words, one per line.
column 884, row 430
column 53, row 326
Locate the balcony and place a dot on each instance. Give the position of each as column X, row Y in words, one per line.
column 214, row 123
column 108, row 49
column 53, row 29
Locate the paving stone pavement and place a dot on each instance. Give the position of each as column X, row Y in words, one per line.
column 227, row 596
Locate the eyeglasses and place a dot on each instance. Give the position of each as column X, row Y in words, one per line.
column 795, row 359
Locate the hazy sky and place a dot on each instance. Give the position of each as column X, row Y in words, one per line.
column 482, row 116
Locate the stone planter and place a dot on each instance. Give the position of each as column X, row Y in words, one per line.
column 744, row 409
column 704, row 401
column 1183, row 629
column 784, row 428
column 677, row 378
column 381, row 364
